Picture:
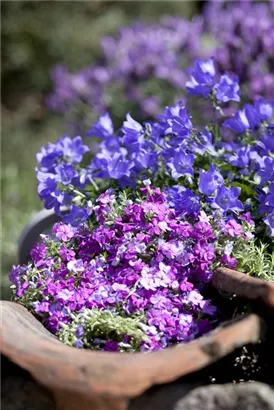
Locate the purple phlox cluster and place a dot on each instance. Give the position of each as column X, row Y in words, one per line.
column 139, row 258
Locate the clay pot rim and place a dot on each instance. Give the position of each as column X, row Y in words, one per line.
column 127, row 375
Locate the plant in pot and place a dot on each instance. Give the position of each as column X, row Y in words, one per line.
column 156, row 222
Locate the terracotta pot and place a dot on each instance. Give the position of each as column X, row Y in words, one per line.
column 81, row 379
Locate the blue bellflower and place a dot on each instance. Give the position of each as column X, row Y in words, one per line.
column 102, row 128
column 210, row 181
column 202, row 78
column 227, row 89
column 227, row 199
column 243, row 120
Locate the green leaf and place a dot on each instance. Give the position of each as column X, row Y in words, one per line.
column 246, row 191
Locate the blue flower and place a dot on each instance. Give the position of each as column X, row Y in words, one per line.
column 65, row 173
column 269, row 221
column 118, row 167
column 79, row 332
column 266, row 171
column 132, row 130
column 176, row 120
column 227, row 199
column 179, row 162
column 72, row 149
column 48, row 156
column 210, row 181
column 227, row 89
column 144, row 159
column 102, row 128
column 183, row 200
column 202, row 78
column 75, row 216
column 243, row 120
column 264, row 109
column 268, row 137
column 111, row 166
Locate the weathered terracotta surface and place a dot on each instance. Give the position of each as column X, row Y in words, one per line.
column 100, row 381
column 247, row 287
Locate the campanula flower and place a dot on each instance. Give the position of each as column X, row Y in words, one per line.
column 227, row 89
column 102, row 128
column 227, row 199
column 202, row 78
column 210, row 181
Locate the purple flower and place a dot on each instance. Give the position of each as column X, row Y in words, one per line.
column 176, row 120
column 179, row 163
column 111, row 346
column 243, row 120
column 195, row 298
column 118, row 167
column 227, row 89
column 202, row 78
column 38, row 252
column 65, row 173
column 266, row 171
column 139, row 260
column 264, row 109
column 269, row 221
column 228, row 261
column 102, row 128
column 63, row 232
column 233, row 228
column 73, row 149
column 227, row 199
column 210, row 181
column 133, row 131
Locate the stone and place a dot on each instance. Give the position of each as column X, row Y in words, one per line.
column 243, row 396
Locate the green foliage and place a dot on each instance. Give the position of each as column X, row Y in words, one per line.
column 104, row 325
column 256, row 260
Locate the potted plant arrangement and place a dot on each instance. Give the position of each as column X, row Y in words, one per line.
column 162, row 222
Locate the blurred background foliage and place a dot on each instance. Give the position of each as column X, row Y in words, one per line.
column 35, row 36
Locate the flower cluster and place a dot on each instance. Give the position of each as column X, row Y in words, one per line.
column 227, row 167
column 245, row 42
column 142, row 67
column 131, row 278
column 136, row 54
column 127, row 267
